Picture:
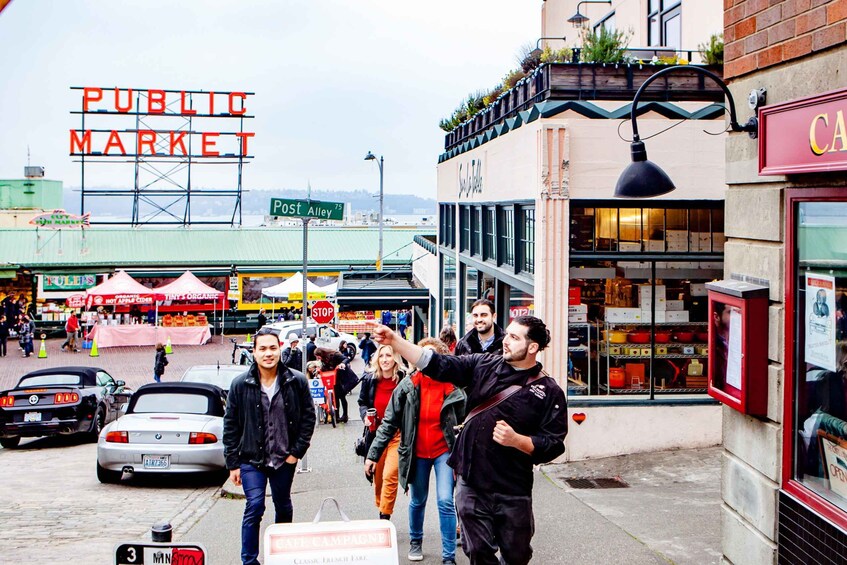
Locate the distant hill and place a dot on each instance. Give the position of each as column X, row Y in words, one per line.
column 258, row 202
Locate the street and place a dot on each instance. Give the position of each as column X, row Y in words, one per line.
column 55, row 510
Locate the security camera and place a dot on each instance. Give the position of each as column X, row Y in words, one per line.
column 756, row 98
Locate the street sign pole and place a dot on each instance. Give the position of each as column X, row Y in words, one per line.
column 304, row 463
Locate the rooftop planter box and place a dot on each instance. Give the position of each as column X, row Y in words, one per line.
column 588, row 81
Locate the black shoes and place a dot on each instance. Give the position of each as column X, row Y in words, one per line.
column 384, row 516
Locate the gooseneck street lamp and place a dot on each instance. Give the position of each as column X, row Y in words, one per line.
column 578, row 20
column 371, row 157
column 643, row 178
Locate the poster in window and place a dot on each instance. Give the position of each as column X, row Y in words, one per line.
column 835, row 459
column 820, row 320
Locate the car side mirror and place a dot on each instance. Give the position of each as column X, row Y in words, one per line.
column 119, row 384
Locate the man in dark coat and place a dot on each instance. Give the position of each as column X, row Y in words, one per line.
column 292, row 356
column 486, row 336
column 268, row 427
column 523, row 422
column 261, row 320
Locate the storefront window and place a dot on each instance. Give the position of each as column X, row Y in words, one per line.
column 820, row 350
column 476, row 230
column 508, row 236
column 527, row 240
column 490, row 241
column 609, row 327
column 448, row 293
column 471, row 290
column 465, row 228
column 520, row 304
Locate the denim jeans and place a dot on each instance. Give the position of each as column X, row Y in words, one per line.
column 254, row 481
column 444, row 491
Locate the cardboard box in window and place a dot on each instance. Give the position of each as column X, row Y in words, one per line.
column 653, row 245
column 633, row 264
column 627, row 246
column 675, row 305
column 577, row 309
column 660, row 316
column 678, row 316
column 645, row 291
column 661, row 305
column 624, row 315
column 698, row 289
column 577, row 318
column 714, row 265
column 676, row 236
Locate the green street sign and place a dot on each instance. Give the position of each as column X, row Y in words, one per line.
column 307, row 209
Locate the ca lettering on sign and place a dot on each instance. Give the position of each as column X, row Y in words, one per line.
column 470, row 178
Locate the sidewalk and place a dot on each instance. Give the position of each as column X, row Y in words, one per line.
column 670, row 513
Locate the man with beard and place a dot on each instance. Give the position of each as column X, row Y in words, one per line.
column 486, row 336
column 517, row 419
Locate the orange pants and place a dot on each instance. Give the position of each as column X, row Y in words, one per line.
column 386, row 477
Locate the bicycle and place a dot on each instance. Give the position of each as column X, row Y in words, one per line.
column 329, row 414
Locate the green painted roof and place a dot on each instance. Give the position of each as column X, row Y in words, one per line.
column 331, row 247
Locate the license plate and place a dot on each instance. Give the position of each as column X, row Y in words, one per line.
column 157, row 461
column 32, row 417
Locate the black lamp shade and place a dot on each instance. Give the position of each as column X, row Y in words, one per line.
column 642, row 178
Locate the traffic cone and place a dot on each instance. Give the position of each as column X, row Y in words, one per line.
column 168, row 348
column 42, row 351
column 93, row 351
column 249, row 339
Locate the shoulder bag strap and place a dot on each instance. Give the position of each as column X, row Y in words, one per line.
column 501, row 396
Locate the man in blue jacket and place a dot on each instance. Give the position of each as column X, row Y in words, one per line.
column 521, row 422
column 268, row 427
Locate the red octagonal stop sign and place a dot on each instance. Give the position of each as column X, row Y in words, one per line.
column 323, row 312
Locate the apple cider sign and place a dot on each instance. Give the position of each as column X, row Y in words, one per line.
column 166, row 123
column 804, row 136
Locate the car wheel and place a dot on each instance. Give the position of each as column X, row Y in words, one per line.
column 351, row 350
column 106, row 476
column 97, row 424
column 10, row 442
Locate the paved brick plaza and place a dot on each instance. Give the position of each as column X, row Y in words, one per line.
column 132, row 364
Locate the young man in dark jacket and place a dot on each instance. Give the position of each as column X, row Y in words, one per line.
column 497, row 448
column 268, row 427
column 486, row 336
column 292, row 357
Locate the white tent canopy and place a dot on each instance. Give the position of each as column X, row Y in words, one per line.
column 294, row 284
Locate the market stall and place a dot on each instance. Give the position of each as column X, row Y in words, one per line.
column 291, row 289
column 189, row 288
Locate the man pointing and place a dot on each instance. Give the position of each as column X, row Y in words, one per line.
column 517, row 419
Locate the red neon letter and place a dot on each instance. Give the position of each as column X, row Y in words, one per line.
column 146, row 137
column 176, row 139
column 211, row 103
column 114, row 141
column 209, row 144
column 232, row 97
column 90, row 94
column 155, row 101
column 244, row 136
column 81, row 145
column 182, row 109
column 118, row 106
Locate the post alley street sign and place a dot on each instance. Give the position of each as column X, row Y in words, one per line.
column 307, row 209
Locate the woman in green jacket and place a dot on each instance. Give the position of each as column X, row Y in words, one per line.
column 425, row 411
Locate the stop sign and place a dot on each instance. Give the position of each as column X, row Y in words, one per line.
column 323, row 312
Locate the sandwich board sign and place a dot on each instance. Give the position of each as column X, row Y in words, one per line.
column 366, row 542
column 149, row 553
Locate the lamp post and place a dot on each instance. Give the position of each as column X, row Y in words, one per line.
column 371, row 157
column 645, row 179
column 578, row 20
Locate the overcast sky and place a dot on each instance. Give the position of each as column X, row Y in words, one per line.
column 332, row 78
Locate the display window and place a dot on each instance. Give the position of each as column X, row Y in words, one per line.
column 816, row 352
column 631, row 335
column 448, row 290
column 471, row 293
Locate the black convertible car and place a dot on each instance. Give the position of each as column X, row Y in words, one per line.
column 61, row 400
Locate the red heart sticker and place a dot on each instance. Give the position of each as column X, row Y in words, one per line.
column 579, row 417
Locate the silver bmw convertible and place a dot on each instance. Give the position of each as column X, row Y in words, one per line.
column 168, row 428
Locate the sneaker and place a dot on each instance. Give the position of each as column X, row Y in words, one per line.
column 448, row 562
column 415, row 551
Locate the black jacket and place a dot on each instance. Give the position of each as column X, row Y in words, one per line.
column 244, row 438
column 470, row 343
column 310, row 350
column 538, row 411
column 161, row 361
column 293, row 358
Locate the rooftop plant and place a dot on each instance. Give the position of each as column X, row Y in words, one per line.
column 713, row 50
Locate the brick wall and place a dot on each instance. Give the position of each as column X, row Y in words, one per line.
column 762, row 33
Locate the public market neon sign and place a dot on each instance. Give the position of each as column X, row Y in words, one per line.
column 146, row 141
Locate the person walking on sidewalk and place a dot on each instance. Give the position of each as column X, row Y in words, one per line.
column 27, row 331
column 345, row 378
column 261, row 319
column 268, row 427
column 386, row 370
column 517, row 419
column 4, row 334
column 367, row 347
column 159, row 364
column 71, row 330
column 426, row 412
column 486, row 336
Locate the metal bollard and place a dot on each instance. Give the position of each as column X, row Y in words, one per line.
column 162, row 532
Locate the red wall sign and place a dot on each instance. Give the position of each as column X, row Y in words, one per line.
column 804, row 136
